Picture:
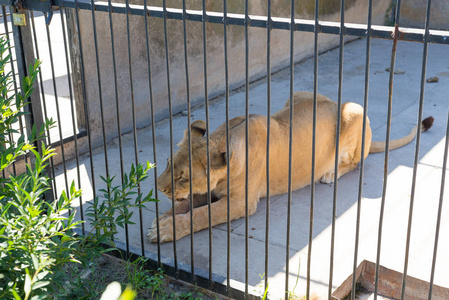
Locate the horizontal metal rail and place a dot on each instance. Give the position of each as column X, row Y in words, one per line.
column 350, row 29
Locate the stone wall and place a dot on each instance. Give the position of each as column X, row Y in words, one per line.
column 356, row 12
column 413, row 14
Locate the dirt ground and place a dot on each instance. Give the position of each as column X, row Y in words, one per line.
column 91, row 282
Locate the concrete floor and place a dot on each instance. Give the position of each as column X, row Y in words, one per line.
column 405, row 106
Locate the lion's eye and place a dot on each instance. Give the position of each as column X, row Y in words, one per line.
column 182, row 179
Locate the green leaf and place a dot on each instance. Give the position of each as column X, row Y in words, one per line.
column 40, row 284
column 27, row 147
column 28, row 282
column 35, row 261
column 15, row 294
column 104, row 179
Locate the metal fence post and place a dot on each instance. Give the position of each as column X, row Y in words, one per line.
column 25, row 57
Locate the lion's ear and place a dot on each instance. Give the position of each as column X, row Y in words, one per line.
column 218, row 160
column 197, row 130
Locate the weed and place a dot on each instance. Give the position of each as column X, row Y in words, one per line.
column 139, row 277
column 390, row 13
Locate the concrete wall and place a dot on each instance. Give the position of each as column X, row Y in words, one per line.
column 413, row 14
column 356, row 12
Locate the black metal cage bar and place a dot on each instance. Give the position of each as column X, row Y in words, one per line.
column 337, row 140
column 418, row 140
column 170, row 109
column 246, row 24
column 290, row 137
column 153, row 135
column 72, row 112
column 58, row 113
column 267, row 216
column 228, row 206
column 189, row 136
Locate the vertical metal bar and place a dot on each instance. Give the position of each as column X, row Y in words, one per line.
column 114, row 65
column 440, row 208
column 418, row 140
column 5, row 20
column 119, row 131
column 186, row 63
column 246, row 146
column 117, row 104
column 206, row 102
column 100, row 93
column 267, row 218
column 41, row 81
column 228, row 155
column 133, row 105
column 153, row 128
column 170, row 111
column 312, row 183
column 8, row 41
column 387, row 149
column 24, row 55
column 61, row 138
column 86, row 106
column 11, row 61
column 290, row 146
column 72, row 109
column 337, row 143
column 365, row 102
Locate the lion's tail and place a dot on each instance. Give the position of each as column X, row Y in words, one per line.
column 394, row 144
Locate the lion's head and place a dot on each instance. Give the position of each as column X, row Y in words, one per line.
column 180, row 161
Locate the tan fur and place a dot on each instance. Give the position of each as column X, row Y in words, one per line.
column 350, row 155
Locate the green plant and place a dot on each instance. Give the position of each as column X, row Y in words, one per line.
column 390, row 13
column 11, row 109
column 155, row 283
column 139, row 277
column 187, row 296
column 104, row 215
column 263, row 293
column 35, row 239
column 81, row 289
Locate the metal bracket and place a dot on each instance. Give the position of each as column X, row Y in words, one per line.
column 46, row 6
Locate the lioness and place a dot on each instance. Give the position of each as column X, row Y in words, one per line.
column 349, row 157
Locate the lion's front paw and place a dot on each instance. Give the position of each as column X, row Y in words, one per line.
column 328, row 177
column 165, row 230
column 161, row 217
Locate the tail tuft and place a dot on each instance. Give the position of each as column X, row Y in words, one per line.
column 427, row 123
